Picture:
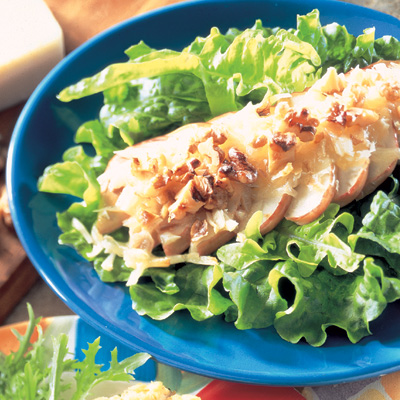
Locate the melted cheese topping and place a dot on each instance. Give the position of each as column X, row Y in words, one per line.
column 289, row 157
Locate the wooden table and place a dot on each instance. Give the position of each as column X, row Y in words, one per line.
column 80, row 20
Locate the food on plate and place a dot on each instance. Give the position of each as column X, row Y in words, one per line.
column 291, row 157
column 270, row 193
column 149, row 391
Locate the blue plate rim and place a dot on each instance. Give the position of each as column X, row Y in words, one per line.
column 82, row 309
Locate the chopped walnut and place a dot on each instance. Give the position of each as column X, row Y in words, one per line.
column 150, row 165
column 304, row 124
column 285, row 142
column 238, row 168
column 160, row 180
column 218, row 135
column 203, row 188
column 391, row 93
column 220, row 195
column 338, row 115
column 264, row 109
column 188, row 166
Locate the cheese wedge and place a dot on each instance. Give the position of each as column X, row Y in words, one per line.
column 31, row 44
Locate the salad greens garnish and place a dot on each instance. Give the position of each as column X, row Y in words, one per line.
column 27, row 373
column 340, row 270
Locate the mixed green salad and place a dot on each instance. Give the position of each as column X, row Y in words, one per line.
column 340, row 270
column 43, row 369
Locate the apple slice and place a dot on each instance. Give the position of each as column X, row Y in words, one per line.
column 176, row 239
column 274, row 206
column 213, row 241
column 351, row 182
column 384, row 159
column 383, row 162
column 315, row 191
column 271, row 202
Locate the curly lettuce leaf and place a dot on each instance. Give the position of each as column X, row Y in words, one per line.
column 379, row 234
column 255, row 300
column 104, row 141
column 158, row 90
column 387, row 48
column 291, row 277
column 322, row 300
column 342, row 50
column 228, row 69
column 147, row 107
column 190, row 287
column 75, row 176
column 321, row 242
column 382, row 224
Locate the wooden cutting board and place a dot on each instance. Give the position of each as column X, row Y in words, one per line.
column 79, row 20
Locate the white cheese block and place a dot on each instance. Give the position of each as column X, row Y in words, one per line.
column 31, row 44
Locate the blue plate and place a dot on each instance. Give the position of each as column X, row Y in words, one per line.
column 213, row 348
